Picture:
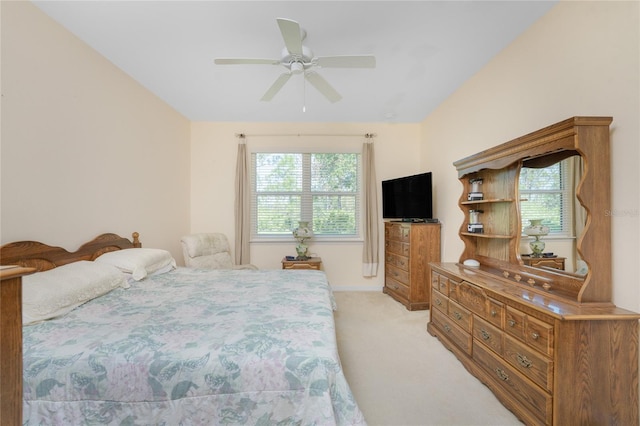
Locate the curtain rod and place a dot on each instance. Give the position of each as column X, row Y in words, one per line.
column 244, row 135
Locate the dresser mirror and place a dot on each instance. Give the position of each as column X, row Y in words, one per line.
column 548, row 187
column 500, row 246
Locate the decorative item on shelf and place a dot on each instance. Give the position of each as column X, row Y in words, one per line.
column 475, row 226
column 536, row 229
column 476, row 191
column 302, row 233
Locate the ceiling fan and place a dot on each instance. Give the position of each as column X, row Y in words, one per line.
column 299, row 59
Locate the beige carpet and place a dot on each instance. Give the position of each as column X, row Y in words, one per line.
column 400, row 374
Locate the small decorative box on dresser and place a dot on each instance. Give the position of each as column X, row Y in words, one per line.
column 409, row 247
column 550, row 344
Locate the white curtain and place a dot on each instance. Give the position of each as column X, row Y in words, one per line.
column 370, row 205
column 242, row 206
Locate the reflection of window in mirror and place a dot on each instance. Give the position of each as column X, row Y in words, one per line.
column 549, row 193
column 546, row 194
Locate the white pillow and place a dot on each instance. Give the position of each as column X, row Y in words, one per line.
column 139, row 262
column 55, row 292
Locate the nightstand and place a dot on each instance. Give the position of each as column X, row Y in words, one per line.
column 313, row 263
column 551, row 262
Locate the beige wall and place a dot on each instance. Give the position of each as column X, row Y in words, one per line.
column 582, row 58
column 85, row 149
column 213, row 162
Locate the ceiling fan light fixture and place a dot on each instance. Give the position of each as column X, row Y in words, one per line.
column 297, row 67
column 299, row 59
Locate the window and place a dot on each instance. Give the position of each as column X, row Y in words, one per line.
column 546, row 194
column 322, row 188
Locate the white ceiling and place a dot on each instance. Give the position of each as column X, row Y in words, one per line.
column 424, row 51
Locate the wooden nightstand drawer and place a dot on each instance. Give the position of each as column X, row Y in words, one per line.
column 313, row 263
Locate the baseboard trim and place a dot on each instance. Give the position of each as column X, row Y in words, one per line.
column 356, row 288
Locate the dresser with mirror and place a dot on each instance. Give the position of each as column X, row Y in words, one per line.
column 541, row 333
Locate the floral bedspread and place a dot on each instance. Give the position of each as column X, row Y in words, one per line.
column 193, row 347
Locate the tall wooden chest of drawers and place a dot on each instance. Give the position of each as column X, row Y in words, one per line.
column 409, row 247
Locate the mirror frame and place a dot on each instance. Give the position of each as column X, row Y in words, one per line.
column 589, row 138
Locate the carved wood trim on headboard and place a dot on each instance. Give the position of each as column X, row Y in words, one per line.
column 41, row 256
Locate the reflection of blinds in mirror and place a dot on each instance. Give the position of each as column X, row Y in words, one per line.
column 548, row 194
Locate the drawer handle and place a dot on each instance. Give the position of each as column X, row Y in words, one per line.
column 447, row 328
column 524, row 361
column 438, row 302
column 535, row 336
column 512, row 323
column 485, row 335
column 501, row 374
column 493, row 313
column 458, row 315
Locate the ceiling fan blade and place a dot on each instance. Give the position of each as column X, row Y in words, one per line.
column 276, row 86
column 291, row 35
column 351, row 61
column 322, row 86
column 245, row 61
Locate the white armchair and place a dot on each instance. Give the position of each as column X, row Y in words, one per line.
column 209, row 251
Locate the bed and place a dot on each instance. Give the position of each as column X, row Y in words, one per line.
column 165, row 345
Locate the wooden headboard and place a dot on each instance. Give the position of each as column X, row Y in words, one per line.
column 41, row 256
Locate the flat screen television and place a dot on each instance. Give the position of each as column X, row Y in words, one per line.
column 408, row 198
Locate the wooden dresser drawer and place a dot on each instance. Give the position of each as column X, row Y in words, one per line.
column 488, row 334
column 539, row 335
column 461, row 338
column 496, row 313
column 529, row 362
column 536, row 333
column 397, row 287
column 469, row 296
column 397, row 273
column 515, row 323
column 440, row 282
column 397, row 247
column 398, row 232
column 397, row 260
column 460, row 316
column 534, row 399
column 439, row 301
